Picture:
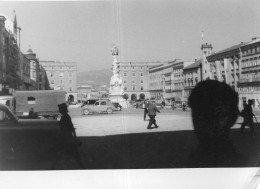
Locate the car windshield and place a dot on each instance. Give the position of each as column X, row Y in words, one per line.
column 7, row 115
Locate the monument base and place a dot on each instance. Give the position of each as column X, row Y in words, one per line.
column 119, row 99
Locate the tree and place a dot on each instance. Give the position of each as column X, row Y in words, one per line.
column 125, row 96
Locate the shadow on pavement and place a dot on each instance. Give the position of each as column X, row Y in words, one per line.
column 136, row 151
column 157, row 149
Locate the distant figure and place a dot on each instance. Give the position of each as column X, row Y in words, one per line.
column 152, row 109
column 184, row 107
column 145, row 107
column 32, row 114
column 163, row 103
column 247, row 114
column 214, row 107
column 70, row 143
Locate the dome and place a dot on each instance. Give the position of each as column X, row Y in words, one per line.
column 29, row 51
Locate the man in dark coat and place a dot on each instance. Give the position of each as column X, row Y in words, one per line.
column 69, row 144
column 152, row 109
column 247, row 114
column 145, row 107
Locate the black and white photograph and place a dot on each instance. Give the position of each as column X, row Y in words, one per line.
column 130, row 94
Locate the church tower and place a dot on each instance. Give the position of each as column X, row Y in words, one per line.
column 15, row 27
column 206, row 51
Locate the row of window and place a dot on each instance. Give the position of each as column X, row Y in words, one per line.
column 251, row 51
column 61, row 82
column 134, row 74
column 60, row 67
column 61, row 74
column 134, row 88
column 133, row 67
column 133, row 81
column 190, row 83
column 251, row 63
column 248, row 89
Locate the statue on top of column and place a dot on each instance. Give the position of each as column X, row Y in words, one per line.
column 114, row 50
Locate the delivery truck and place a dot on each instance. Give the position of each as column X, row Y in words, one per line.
column 43, row 102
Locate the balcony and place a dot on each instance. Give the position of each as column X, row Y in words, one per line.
column 251, row 80
column 189, row 87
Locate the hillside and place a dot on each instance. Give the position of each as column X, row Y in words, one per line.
column 95, row 78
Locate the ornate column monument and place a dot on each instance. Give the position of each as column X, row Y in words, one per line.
column 116, row 89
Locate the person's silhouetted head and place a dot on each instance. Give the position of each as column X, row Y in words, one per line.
column 214, row 107
column 63, row 108
column 250, row 102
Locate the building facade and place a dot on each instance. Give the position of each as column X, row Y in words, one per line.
column 166, row 81
column 192, row 75
column 62, row 76
column 27, row 84
column 249, row 80
column 177, row 89
column 238, row 66
column 34, row 69
column 83, row 92
column 135, row 78
column 156, row 85
column 225, row 66
column 10, row 72
column 43, row 79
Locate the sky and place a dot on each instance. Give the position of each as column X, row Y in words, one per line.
column 147, row 30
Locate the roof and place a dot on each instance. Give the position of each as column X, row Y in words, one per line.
column 30, row 56
column 229, row 49
column 253, row 41
column 85, row 87
column 40, row 92
column 194, row 65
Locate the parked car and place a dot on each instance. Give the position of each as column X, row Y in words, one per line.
column 89, row 102
column 20, row 137
column 138, row 104
column 99, row 106
column 117, row 105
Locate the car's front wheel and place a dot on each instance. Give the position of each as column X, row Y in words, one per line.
column 109, row 110
column 86, row 111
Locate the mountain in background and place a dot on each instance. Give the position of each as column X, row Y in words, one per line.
column 96, row 78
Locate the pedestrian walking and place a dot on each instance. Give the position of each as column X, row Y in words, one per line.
column 145, row 107
column 163, row 103
column 184, row 107
column 152, row 109
column 70, row 142
column 247, row 114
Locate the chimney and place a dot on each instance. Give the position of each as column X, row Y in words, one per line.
column 255, row 38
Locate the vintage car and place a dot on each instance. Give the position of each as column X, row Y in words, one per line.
column 89, row 102
column 99, row 106
column 117, row 106
column 25, row 137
